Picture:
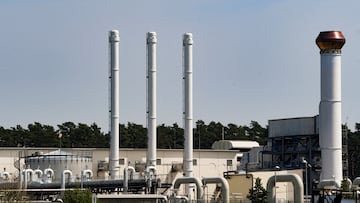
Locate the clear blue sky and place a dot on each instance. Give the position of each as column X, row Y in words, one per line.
column 252, row 61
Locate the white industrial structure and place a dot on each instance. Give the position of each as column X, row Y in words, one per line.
column 169, row 166
column 51, row 165
column 114, row 40
column 241, row 145
column 330, row 137
column 151, row 97
column 188, row 105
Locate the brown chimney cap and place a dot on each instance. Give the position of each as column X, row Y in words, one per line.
column 330, row 40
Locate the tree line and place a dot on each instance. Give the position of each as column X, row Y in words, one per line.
column 135, row 136
column 168, row 137
column 132, row 135
column 353, row 149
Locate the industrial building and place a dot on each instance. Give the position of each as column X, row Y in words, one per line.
column 44, row 167
column 97, row 159
column 300, row 151
column 293, row 143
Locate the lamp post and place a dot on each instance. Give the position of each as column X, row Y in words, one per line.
column 198, row 128
column 276, row 169
column 306, row 176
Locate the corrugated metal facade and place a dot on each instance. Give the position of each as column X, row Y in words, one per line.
column 293, row 126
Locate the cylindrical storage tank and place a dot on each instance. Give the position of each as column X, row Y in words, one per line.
column 330, row 133
column 59, row 161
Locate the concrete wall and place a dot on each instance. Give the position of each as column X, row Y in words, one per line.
column 284, row 191
column 241, row 183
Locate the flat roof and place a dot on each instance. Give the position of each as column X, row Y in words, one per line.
column 131, row 196
column 234, row 144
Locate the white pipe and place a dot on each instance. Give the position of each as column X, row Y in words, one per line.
column 178, row 198
column 149, row 169
column 63, row 178
column 21, row 174
column 48, row 175
column 330, row 133
column 87, row 173
column 114, row 40
column 126, row 178
column 188, row 107
column 187, row 180
column 5, row 175
column 27, row 172
column 151, row 97
column 38, row 174
column 356, row 182
column 225, row 190
column 150, row 172
column 294, row 179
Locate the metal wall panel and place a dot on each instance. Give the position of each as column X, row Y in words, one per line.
column 293, row 126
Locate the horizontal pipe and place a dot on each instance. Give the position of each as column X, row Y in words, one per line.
column 87, row 184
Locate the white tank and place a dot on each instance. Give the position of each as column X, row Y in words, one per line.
column 59, row 161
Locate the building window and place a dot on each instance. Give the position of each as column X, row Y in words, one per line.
column 195, row 162
column 228, row 162
column 158, row 161
column 122, row 161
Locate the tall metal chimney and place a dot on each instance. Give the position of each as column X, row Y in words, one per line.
column 330, row 133
column 114, row 40
column 151, row 97
column 188, row 106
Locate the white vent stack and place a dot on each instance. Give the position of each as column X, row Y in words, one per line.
column 188, row 106
column 114, row 40
column 330, row 133
column 151, row 97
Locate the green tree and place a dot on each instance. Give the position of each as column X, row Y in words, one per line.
column 78, row 196
column 82, row 136
column 345, row 185
column 100, row 139
column 199, row 133
column 256, row 132
column 258, row 193
column 136, row 135
column 21, row 135
column 133, row 135
column 67, row 130
column 165, row 137
column 213, row 132
column 353, row 141
column 8, row 138
column 42, row 135
column 177, row 136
